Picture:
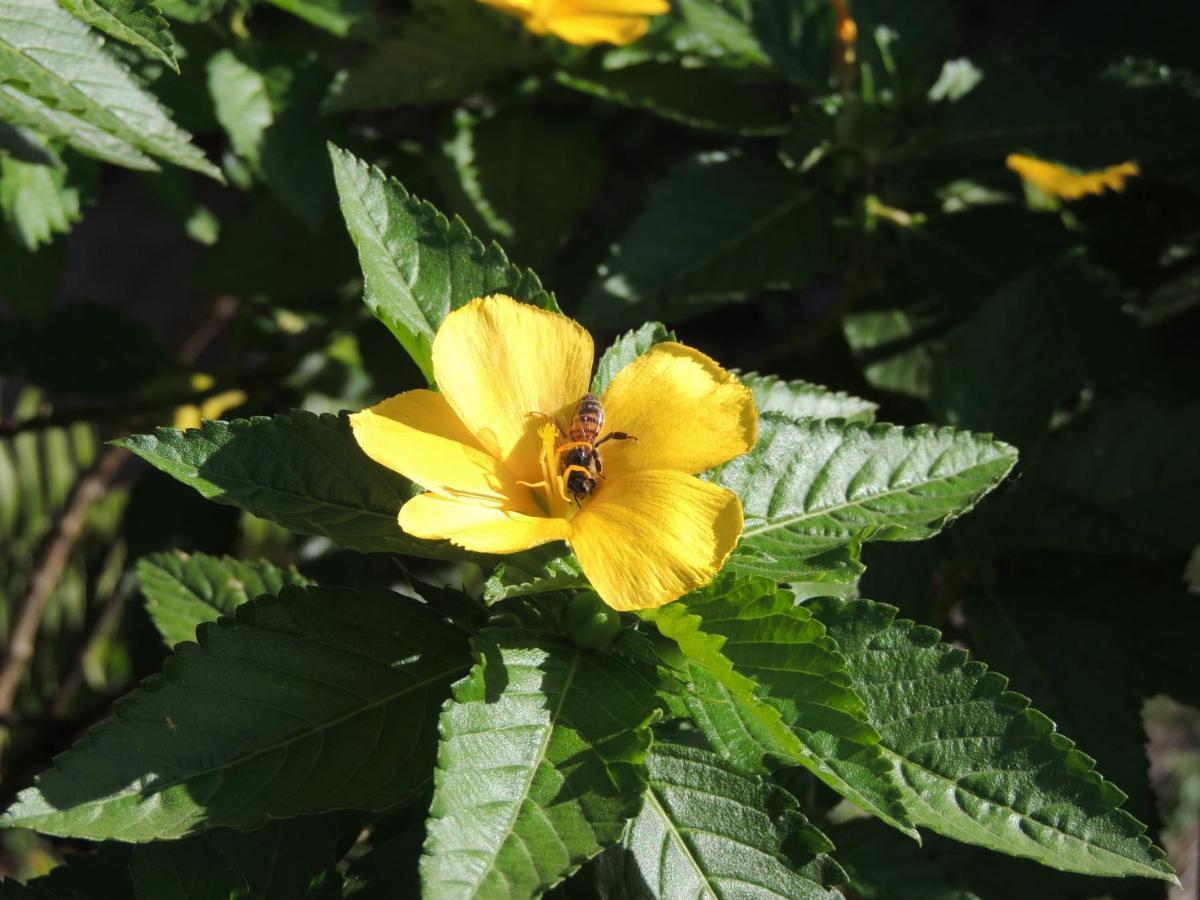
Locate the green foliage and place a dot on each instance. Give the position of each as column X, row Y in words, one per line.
column 184, row 714
column 56, row 74
column 852, row 483
column 542, row 761
column 765, row 684
column 136, row 22
column 417, row 265
column 804, row 400
column 300, row 470
column 707, row 831
column 282, row 711
column 954, row 714
column 718, row 227
column 527, row 177
column 183, row 591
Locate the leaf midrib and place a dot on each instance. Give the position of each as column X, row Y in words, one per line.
column 775, row 525
column 539, row 758
column 957, row 785
column 162, row 785
column 652, row 798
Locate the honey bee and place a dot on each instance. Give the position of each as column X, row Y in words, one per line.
column 579, row 459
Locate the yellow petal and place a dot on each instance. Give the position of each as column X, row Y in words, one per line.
column 587, row 30
column 477, row 527
column 651, row 537
column 418, row 435
column 686, row 412
column 497, row 360
column 1058, row 181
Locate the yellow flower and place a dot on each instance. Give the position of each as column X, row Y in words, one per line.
column 487, row 449
column 1057, row 181
column 585, row 21
column 214, row 407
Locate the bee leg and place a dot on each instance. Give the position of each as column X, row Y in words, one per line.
column 615, row 436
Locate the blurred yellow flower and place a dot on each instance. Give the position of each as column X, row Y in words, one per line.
column 585, row 21
column 214, row 407
column 488, row 450
column 1057, row 181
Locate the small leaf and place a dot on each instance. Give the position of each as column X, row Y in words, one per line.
column 706, row 831
column 767, row 686
column 58, row 62
column 1110, row 483
column 975, row 762
column 804, row 400
column 717, row 228
column 625, row 350
column 417, row 265
column 810, row 487
column 300, row 470
column 423, row 61
column 341, row 17
column 183, row 591
column 317, row 700
column 551, row 567
column 136, row 22
column 266, row 102
column 707, row 98
column 541, row 764
column 36, row 201
column 528, row 174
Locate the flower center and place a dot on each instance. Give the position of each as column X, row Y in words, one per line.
column 554, row 494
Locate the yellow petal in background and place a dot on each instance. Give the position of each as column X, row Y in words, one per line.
column 686, row 412
column 190, row 416
column 1058, row 181
column 585, row 22
column 418, row 435
column 497, row 360
column 477, row 527
column 651, row 537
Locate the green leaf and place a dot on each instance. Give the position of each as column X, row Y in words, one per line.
column 717, row 228
column 707, row 98
column 1092, row 693
column 423, row 61
column 976, row 763
column 707, row 832
column 809, row 487
column 625, row 350
column 891, row 344
column 57, row 61
column 417, row 265
column 528, row 174
column 882, row 865
column 136, row 22
column 767, row 686
column 1029, row 349
column 36, row 201
column 300, row 470
column 803, row 399
column 267, row 102
column 341, row 17
column 183, row 590
column 317, row 700
column 541, row 764
column 551, row 567
column 18, row 108
column 1112, row 483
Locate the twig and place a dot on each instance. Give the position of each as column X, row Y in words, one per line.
column 56, row 551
